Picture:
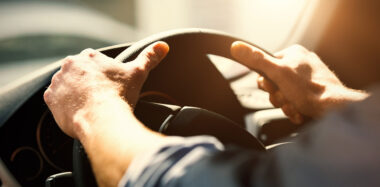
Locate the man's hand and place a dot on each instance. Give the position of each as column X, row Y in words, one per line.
column 92, row 99
column 90, row 78
column 302, row 83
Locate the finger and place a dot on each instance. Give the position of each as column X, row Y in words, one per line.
column 48, row 96
column 89, row 52
column 279, row 54
column 298, row 118
column 266, row 85
column 67, row 63
column 277, row 99
column 54, row 82
column 259, row 81
column 254, row 58
column 291, row 50
column 91, row 55
column 290, row 111
column 151, row 56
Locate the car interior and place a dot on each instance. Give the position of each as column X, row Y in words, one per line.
column 188, row 94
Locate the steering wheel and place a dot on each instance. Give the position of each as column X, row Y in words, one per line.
column 188, row 48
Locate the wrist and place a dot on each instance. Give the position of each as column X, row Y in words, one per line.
column 356, row 95
column 341, row 97
column 112, row 136
column 99, row 111
column 348, row 95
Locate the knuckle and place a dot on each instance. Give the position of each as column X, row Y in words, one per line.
column 256, row 55
column 285, row 69
column 47, row 96
column 286, row 110
column 300, row 48
column 274, row 101
column 140, row 68
column 69, row 59
column 139, row 73
column 291, row 51
column 280, row 54
column 282, row 71
column 66, row 65
column 269, row 87
column 277, row 72
column 150, row 56
column 55, row 78
column 313, row 56
column 89, row 52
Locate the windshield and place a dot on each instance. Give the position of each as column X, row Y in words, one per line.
column 38, row 32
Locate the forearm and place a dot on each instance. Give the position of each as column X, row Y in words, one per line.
column 112, row 136
column 88, row 97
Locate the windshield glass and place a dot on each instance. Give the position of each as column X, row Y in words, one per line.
column 38, row 32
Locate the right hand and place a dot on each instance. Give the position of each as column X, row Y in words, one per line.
column 297, row 80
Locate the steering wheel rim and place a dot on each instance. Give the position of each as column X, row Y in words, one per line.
column 185, row 44
column 209, row 41
column 204, row 40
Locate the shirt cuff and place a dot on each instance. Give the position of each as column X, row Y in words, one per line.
column 150, row 167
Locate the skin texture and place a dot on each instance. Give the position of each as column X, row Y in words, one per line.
column 92, row 99
column 297, row 80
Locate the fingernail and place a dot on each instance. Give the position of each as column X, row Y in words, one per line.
column 160, row 49
column 234, row 44
column 238, row 49
column 260, row 82
column 260, row 78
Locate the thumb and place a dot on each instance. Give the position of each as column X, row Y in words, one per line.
column 254, row 58
column 151, row 56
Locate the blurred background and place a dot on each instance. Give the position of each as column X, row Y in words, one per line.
column 343, row 32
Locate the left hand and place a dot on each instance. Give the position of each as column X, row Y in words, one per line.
column 90, row 78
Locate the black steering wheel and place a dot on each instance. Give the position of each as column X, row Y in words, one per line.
column 188, row 49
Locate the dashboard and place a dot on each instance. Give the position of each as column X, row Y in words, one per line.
column 32, row 145
column 34, row 148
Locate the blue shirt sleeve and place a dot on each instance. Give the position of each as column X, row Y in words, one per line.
column 342, row 149
column 169, row 162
